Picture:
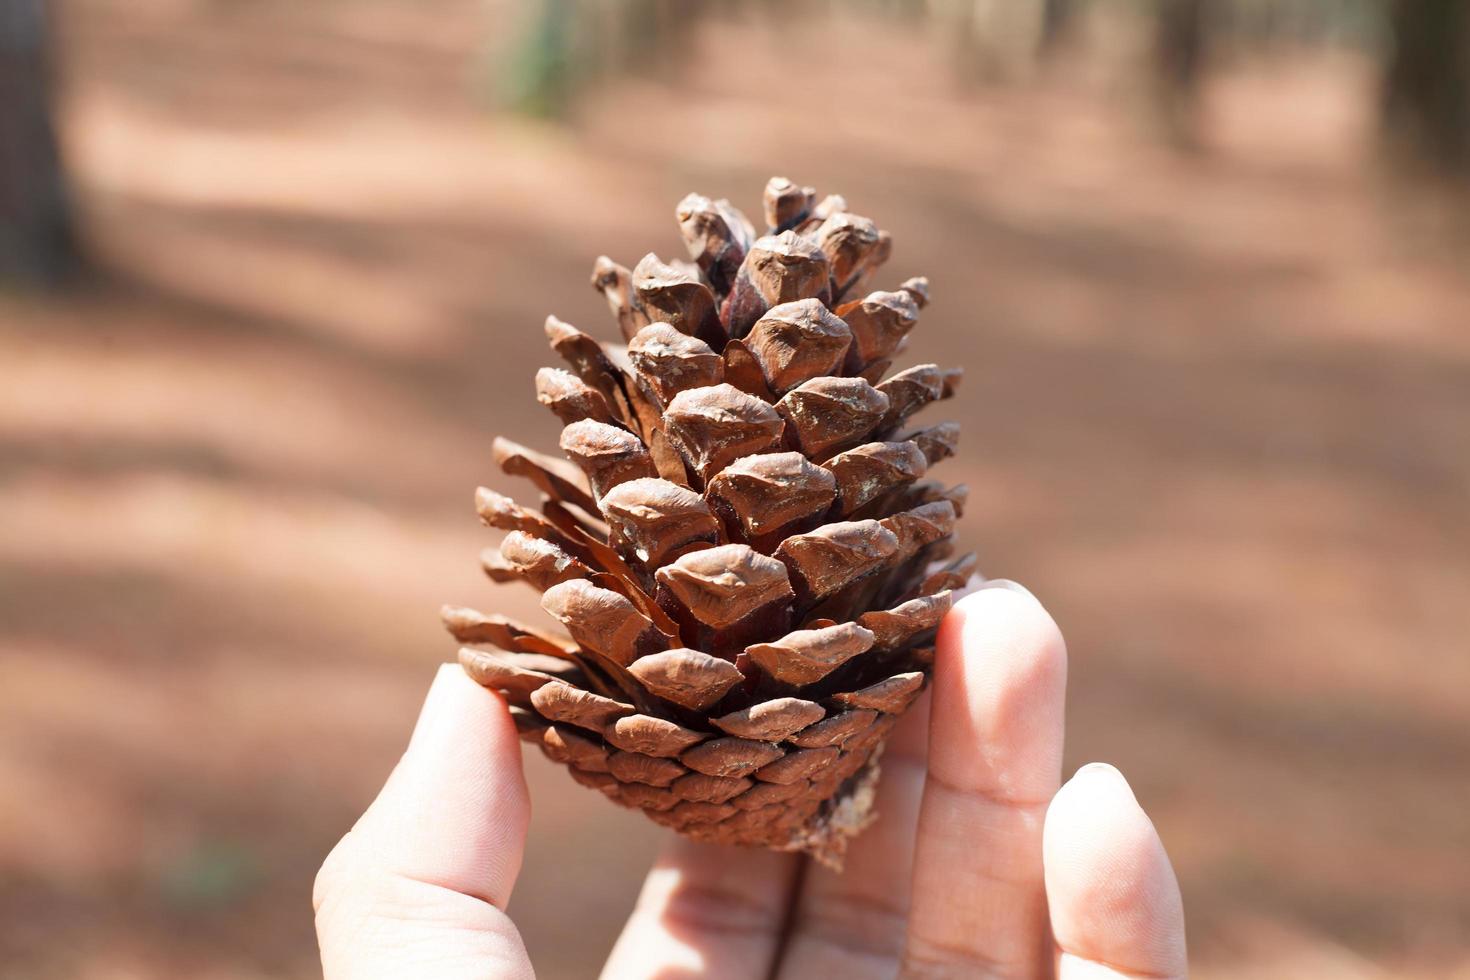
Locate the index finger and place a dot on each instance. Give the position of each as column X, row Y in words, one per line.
column 995, row 753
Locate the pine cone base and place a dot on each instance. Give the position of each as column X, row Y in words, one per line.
column 740, row 546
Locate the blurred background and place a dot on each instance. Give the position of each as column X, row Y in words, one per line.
column 275, row 274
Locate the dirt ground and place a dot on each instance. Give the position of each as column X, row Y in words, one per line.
column 1217, row 416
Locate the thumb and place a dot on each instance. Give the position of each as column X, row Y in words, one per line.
column 418, row 886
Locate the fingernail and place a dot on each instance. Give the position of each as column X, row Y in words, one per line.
column 1094, row 770
column 1007, row 584
column 1103, row 778
column 443, row 693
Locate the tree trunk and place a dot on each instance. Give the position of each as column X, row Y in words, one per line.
column 1179, row 50
column 1056, row 20
column 36, row 242
column 1427, row 83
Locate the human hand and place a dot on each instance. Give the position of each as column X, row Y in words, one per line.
column 978, row 865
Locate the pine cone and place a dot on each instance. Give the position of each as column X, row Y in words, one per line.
column 747, row 561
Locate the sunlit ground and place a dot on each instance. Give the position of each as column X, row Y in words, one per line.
column 1217, row 415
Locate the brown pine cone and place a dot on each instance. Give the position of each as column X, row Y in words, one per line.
column 746, row 559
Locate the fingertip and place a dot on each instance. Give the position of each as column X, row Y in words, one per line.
column 1096, row 807
column 456, row 809
column 1113, row 895
column 489, row 708
column 1101, row 777
column 1010, row 585
column 459, row 711
column 999, row 692
column 1094, row 812
column 1004, row 613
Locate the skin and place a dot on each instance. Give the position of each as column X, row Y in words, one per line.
column 982, row 864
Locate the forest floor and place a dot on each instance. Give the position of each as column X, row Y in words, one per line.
column 1217, row 415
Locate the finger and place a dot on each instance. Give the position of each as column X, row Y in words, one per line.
column 995, row 746
column 454, row 811
column 851, row 924
column 706, row 911
column 1115, row 905
column 419, row 883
